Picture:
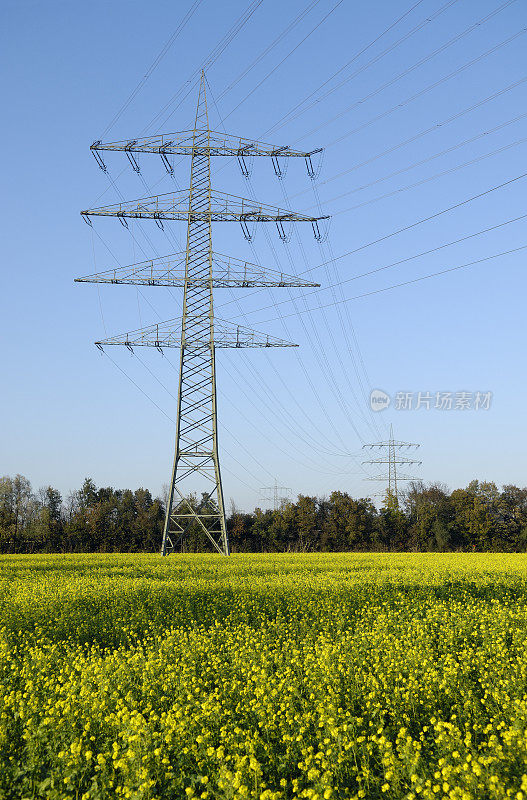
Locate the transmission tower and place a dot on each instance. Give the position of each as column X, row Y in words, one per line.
column 198, row 270
column 276, row 494
column 393, row 460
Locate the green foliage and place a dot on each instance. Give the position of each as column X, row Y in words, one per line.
column 429, row 518
column 276, row 677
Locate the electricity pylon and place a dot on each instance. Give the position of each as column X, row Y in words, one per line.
column 198, row 270
column 276, row 494
column 393, row 459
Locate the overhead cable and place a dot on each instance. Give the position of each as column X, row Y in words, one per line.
column 412, row 280
column 152, row 66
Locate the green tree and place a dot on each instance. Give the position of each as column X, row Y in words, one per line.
column 475, row 515
column 48, row 529
column 430, row 514
column 350, row 523
column 391, row 529
column 282, row 532
column 18, row 509
column 307, row 522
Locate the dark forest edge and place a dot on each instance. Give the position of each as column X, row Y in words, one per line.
column 427, row 517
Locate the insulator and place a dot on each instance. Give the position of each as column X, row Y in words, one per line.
column 280, row 169
column 285, row 237
column 97, row 156
column 316, row 231
column 245, row 169
column 168, row 166
column 245, row 229
column 132, row 160
column 321, row 237
column 312, row 171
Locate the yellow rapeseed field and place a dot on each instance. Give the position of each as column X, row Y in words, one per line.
column 264, row 676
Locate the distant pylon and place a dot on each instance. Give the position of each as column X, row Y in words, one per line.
column 197, row 333
column 393, row 460
column 276, row 494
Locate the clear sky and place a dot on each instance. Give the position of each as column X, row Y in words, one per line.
column 427, row 110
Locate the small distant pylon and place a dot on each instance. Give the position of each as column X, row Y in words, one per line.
column 276, row 495
column 393, row 460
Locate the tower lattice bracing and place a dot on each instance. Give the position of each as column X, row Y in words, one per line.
column 196, row 427
column 195, row 489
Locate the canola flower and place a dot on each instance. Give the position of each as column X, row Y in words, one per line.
column 276, row 676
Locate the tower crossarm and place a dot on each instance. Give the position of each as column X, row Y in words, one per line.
column 168, row 334
column 223, row 207
column 227, row 272
column 211, row 143
column 393, row 443
column 398, row 460
column 385, row 477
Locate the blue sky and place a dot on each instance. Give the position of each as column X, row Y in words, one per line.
column 298, row 416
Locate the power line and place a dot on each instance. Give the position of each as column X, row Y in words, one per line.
column 321, row 357
column 139, row 388
column 433, row 216
column 414, row 280
column 257, row 377
column 290, row 116
column 428, row 88
column 249, row 452
column 212, row 57
column 419, row 135
column 126, row 375
column 229, row 431
column 317, row 26
column 263, row 434
column 231, row 402
column 423, row 91
column 271, row 46
column 153, row 66
column 398, row 263
column 344, row 330
column 448, row 171
column 420, row 93
column 415, row 224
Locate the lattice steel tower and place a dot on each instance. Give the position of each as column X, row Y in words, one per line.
column 198, row 271
column 276, row 495
column 393, row 460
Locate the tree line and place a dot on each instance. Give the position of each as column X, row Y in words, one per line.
column 480, row 517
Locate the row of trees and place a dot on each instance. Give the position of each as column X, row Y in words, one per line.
column 480, row 517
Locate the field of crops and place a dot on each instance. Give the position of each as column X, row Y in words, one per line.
column 275, row 676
